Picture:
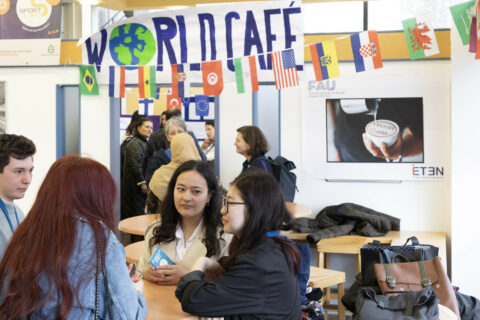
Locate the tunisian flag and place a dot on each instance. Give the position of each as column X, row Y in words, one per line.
column 212, row 78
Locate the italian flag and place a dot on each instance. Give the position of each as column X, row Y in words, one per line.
column 420, row 36
column 246, row 74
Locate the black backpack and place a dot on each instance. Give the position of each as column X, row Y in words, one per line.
column 286, row 178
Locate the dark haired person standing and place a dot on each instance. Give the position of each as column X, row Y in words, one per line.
column 252, row 144
column 16, row 166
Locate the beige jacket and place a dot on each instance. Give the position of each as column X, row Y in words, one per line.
column 197, row 249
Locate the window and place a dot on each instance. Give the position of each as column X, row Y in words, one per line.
column 333, row 17
column 386, row 15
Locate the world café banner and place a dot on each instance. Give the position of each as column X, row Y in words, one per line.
column 30, row 32
column 199, row 34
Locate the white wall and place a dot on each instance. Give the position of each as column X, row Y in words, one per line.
column 465, row 167
column 31, row 108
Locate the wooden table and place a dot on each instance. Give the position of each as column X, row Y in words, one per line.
column 162, row 303
column 138, row 224
column 351, row 244
column 134, row 251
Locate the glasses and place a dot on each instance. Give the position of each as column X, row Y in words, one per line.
column 226, row 203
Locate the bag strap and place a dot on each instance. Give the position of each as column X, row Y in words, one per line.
column 101, row 265
column 390, row 277
column 423, row 271
column 414, row 240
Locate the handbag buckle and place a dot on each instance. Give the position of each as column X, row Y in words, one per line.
column 391, row 281
column 426, row 282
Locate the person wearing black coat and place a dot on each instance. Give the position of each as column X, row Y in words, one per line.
column 133, row 185
column 258, row 278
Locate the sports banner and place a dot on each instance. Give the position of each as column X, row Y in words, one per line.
column 30, row 32
column 194, row 35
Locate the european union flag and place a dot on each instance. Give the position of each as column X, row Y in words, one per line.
column 201, row 105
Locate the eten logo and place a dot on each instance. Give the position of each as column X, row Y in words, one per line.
column 427, row 171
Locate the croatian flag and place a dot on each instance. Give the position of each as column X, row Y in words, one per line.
column 366, row 51
column 180, row 81
column 116, row 86
column 284, row 69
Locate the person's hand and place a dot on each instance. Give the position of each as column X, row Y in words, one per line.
column 144, row 188
column 210, row 267
column 165, row 275
column 206, row 143
column 391, row 153
column 136, row 279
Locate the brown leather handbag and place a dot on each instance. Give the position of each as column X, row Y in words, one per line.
column 395, row 278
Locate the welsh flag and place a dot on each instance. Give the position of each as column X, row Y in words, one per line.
column 420, row 36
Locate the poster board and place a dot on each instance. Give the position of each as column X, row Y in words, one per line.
column 321, row 140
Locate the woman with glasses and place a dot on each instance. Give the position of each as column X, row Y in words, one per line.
column 190, row 224
column 257, row 280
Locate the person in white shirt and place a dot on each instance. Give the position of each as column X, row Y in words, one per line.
column 16, row 166
column 190, row 225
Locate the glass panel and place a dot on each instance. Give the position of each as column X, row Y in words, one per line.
column 388, row 14
column 266, row 116
column 345, row 16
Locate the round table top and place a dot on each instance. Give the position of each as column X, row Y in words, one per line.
column 138, row 225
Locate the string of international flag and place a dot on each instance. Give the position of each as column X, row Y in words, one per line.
column 419, row 35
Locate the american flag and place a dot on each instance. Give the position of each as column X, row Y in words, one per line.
column 284, row 69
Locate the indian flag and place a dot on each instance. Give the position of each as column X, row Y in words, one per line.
column 246, row 74
column 420, row 36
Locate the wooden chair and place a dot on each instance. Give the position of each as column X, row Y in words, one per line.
column 325, row 278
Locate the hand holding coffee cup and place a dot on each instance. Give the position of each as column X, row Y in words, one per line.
column 385, row 131
column 383, row 140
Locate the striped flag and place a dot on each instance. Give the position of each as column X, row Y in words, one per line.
column 246, row 74
column 116, row 86
column 366, row 51
column 180, row 80
column 147, row 84
column 284, row 69
column 421, row 40
column 325, row 61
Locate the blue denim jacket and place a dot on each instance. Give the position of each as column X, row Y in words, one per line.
column 127, row 303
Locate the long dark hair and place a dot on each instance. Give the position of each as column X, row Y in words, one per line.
column 43, row 244
column 133, row 124
column 266, row 211
column 165, row 232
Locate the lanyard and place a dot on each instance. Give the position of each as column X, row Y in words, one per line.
column 4, row 209
column 273, row 233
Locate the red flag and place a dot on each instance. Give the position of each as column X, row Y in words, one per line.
column 174, row 80
column 212, row 78
column 141, row 86
column 174, row 102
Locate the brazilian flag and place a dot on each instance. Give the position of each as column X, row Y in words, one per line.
column 88, row 81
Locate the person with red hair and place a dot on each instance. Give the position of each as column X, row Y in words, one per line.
column 64, row 261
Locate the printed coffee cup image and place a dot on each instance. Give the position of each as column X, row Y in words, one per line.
column 385, row 131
